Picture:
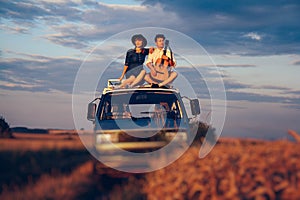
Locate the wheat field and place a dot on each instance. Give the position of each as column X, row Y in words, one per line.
column 234, row 169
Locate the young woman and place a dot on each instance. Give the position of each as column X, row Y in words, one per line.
column 135, row 58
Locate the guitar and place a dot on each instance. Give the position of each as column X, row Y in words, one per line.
column 162, row 64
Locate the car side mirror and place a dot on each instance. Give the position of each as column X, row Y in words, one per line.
column 195, row 106
column 91, row 111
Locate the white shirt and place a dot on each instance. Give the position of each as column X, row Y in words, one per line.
column 157, row 53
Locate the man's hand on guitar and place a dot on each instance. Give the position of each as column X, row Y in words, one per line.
column 171, row 63
column 153, row 72
column 164, row 57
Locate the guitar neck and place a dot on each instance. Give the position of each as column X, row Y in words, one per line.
column 166, row 47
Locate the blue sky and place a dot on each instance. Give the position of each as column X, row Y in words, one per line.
column 255, row 44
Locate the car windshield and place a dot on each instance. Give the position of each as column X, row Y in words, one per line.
column 140, row 105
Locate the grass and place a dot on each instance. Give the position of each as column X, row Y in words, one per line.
column 65, row 186
column 37, row 142
column 234, row 169
column 28, row 157
column 17, row 168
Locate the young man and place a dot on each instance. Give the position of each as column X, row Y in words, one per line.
column 158, row 55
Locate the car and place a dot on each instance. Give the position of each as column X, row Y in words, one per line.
column 139, row 120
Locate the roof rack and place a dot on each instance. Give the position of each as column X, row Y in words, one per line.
column 112, row 84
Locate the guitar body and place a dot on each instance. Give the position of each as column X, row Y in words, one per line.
column 161, row 68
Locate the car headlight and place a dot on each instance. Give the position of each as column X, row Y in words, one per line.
column 107, row 138
column 176, row 136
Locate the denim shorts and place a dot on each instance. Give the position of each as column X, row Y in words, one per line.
column 134, row 72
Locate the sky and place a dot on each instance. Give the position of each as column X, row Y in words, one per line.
column 254, row 44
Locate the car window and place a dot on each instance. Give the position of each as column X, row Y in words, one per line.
column 140, row 105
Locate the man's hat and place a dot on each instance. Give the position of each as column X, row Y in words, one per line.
column 139, row 36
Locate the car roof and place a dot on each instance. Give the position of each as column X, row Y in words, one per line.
column 141, row 88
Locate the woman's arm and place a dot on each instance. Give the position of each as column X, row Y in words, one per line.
column 149, row 50
column 123, row 73
column 127, row 60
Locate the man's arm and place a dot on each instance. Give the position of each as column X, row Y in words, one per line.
column 172, row 62
column 152, row 70
column 149, row 64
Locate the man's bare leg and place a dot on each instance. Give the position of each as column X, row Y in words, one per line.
column 170, row 79
column 149, row 79
column 138, row 79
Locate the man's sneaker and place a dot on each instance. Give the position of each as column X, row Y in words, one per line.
column 154, row 85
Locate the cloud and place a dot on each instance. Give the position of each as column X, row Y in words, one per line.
column 272, row 87
column 235, row 65
column 76, row 24
column 238, row 91
column 18, row 84
column 293, row 106
column 230, row 85
column 225, row 24
column 296, row 62
column 16, row 29
column 42, row 73
column 43, row 10
column 221, row 27
column 292, row 92
column 246, row 96
column 21, row 10
column 253, row 36
column 228, row 65
column 66, row 39
column 265, row 93
column 38, row 73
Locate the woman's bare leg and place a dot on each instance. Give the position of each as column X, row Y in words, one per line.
column 139, row 78
column 127, row 81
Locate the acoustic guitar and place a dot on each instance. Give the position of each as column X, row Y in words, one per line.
column 161, row 65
